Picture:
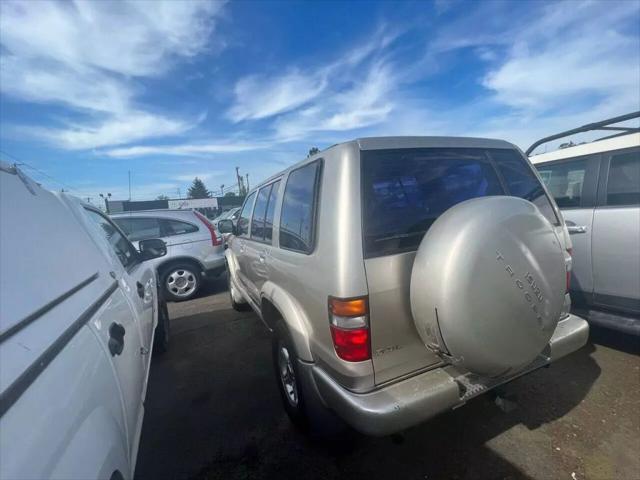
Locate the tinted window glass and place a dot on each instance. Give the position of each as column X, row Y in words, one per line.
column 243, row 220
column 271, row 209
column 521, row 181
column 176, row 227
column 259, row 211
column 564, row 181
column 139, row 228
column 623, row 186
column 121, row 246
column 296, row 219
column 405, row 191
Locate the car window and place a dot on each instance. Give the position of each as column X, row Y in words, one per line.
column 298, row 208
column 565, row 181
column 623, row 185
column 176, row 227
column 243, row 220
column 271, row 210
column 139, row 228
column 259, row 211
column 404, row 191
column 121, row 246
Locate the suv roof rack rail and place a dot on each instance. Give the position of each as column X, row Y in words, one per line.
column 602, row 125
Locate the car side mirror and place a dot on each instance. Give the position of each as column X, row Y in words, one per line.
column 152, row 248
column 226, row 226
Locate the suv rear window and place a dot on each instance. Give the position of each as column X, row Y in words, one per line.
column 406, row 190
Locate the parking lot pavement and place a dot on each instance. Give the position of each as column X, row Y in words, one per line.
column 213, row 411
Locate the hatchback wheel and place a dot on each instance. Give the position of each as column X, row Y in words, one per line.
column 181, row 282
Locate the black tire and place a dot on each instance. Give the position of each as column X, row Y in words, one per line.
column 163, row 329
column 308, row 413
column 193, row 273
column 238, row 307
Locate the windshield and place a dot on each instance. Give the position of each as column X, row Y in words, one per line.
column 406, row 190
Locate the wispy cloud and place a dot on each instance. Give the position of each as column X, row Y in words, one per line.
column 204, row 176
column 67, row 53
column 182, row 149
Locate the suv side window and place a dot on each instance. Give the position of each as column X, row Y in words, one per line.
column 259, row 211
column 139, row 228
column 176, row 227
column 623, row 184
column 271, row 210
column 122, row 247
column 297, row 223
column 243, row 220
column 565, row 181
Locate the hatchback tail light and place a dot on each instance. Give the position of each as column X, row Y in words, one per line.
column 215, row 241
column 349, row 323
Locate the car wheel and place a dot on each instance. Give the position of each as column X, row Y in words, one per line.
column 234, row 294
column 181, row 281
column 161, row 338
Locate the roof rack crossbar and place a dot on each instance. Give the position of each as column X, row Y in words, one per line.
column 603, row 125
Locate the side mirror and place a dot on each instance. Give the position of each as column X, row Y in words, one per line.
column 152, row 248
column 226, row 226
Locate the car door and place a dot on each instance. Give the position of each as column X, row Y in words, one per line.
column 132, row 306
column 258, row 248
column 239, row 244
column 616, row 233
column 573, row 184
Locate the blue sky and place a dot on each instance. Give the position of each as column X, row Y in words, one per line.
column 174, row 90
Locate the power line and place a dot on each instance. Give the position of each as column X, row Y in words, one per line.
column 19, row 162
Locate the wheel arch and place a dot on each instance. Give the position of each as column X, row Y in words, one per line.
column 277, row 304
column 164, row 266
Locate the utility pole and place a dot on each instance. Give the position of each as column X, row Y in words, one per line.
column 129, row 185
column 239, row 180
column 222, row 190
column 179, row 193
column 248, row 187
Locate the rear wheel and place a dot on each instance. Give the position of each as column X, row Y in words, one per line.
column 181, row 281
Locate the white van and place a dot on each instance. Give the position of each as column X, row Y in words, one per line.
column 79, row 311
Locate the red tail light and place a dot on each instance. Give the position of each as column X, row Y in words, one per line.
column 215, row 241
column 349, row 324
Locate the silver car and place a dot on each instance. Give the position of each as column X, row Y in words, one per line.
column 403, row 276
column 597, row 186
column 194, row 248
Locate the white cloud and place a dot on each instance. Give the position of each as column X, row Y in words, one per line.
column 182, row 149
column 83, row 55
column 188, row 177
column 258, row 96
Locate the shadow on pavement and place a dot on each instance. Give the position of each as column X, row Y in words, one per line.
column 213, row 411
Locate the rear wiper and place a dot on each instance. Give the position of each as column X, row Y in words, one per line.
column 400, row 235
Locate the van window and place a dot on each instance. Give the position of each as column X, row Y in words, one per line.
column 564, row 181
column 405, row 190
column 139, row 228
column 271, row 209
column 243, row 220
column 298, row 208
column 176, row 227
column 623, row 184
column 121, row 246
column 259, row 212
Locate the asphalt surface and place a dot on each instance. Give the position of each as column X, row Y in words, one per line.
column 213, row 412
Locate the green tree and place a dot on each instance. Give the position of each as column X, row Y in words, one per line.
column 230, row 194
column 198, row 189
column 162, row 197
column 313, row 151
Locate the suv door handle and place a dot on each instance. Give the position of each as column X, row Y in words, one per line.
column 576, row 229
column 262, row 256
column 116, row 339
column 140, row 289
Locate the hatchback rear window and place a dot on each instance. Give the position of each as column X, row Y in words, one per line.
column 406, row 190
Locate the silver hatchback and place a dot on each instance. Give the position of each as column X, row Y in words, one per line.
column 194, row 248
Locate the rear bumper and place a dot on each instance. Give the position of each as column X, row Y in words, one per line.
column 409, row 402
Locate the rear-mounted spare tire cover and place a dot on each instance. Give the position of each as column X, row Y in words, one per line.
column 488, row 284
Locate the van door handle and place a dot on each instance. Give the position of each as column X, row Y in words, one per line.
column 576, row 229
column 140, row 288
column 116, row 339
